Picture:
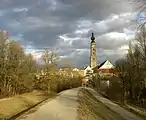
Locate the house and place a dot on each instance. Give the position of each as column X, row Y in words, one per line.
column 87, row 76
column 88, row 71
column 105, row 69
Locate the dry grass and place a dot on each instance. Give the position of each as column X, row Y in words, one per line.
column 16, row 104
column 91, row 109
column 135, row 109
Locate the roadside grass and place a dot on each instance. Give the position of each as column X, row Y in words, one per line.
column 134, row 109
column 91, row 109
column 140, row 112
column 12, row 106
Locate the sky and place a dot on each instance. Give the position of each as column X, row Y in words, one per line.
column 65, row 27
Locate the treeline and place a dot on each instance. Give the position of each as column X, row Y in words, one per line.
column 20, row 73
column 130, row 83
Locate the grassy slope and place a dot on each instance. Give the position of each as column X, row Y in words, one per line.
column 91, row 109
column 135, row 110
column 19, row 103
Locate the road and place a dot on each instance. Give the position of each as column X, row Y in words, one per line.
column 76, row 104
column 63, row 107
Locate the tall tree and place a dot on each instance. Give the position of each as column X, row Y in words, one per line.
column 132, row 69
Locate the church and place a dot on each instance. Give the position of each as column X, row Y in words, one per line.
column 104, row 69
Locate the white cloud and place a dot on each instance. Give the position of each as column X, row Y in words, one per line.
column 66, row 38
column 84, row 23
column 117, row 36
column 100, row 25
column 112, row 22
column 82, row 31
column 37, row 54
column 124, row 48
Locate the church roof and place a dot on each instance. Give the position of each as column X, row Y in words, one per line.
column 104, row 65
column 88, row 67
column 101, row 64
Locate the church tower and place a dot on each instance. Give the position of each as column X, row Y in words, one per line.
column 93, row 59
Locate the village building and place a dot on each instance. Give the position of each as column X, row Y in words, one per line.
column 106, row 68
column 88, row 72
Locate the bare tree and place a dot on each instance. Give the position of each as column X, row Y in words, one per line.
column 49, row 57
column 132, row 69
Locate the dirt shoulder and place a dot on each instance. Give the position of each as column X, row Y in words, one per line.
column 14, row 105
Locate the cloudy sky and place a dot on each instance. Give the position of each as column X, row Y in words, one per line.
column 65, row 26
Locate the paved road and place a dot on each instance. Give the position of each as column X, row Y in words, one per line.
column 74, row 105
column 63, row 107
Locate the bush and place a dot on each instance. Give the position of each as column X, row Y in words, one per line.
column 57, row 83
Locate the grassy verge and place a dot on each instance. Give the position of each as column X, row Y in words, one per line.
column 91, row 109
column 134, row 109
column 131, row 108
column 10, row 107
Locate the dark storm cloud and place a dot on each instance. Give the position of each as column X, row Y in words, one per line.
column 47, row 36
column 103, row 42
column 8, row 4
column 82, row 60
column 64, row 12
column 99, row 9
column 65, row 51
column 79, row 58
column 42, row 22
column 81, row 44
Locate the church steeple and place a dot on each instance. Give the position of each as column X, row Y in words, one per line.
column 93, row 59
column 92, row 38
